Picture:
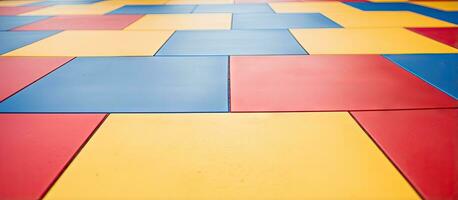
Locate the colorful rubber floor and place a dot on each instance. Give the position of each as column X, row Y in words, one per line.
column 228, row 99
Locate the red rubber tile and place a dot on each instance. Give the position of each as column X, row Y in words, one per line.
column 9, row 10
column 447, row 36
column 83, row 22
column 328, row 83
column 422, row 143
column 34, row 148
column 18, row 72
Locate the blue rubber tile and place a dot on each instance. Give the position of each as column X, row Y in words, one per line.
column 282, row 21
column 53, row 3
column 440, row 70
column 129, row 84
column 234, row 8
column 371, row 6
column 231, row 42
column 154, row 9
column 10, row 22
column 451, row 17
column 11, row 40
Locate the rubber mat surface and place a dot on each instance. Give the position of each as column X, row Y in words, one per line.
column 228, row 99
column 107, row 85
column 319, row 82
column 234, row 156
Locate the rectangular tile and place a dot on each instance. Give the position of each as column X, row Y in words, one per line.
column 234, row 156
column 282, row 21
column 448, row 16
column 129, row 84
column 311, row 7
column 90, row 9
column 66, row 2
column 367, row 41
column 154, row 9
column 216, row 21
column 386, row 19
column 234, row 8
column 83, row 22
column 328, row 83
column 97, row 43
column 234, row 42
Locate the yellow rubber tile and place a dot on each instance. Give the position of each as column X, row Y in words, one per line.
column 193, row 2
column 17, row 2
column 385, row 19
column 95, row 9
column 441, row 5
column 312, row 7
column 132, row 2
column 388, row 0
column 183, row 22
column 96, row 43
column 231, row 156
column 367, row 41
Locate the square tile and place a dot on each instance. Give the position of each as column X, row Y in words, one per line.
column 128, row 84
column 231, row 156
column 83, row 22
column 311, row 7
column 9, row 10
column 12, row 40
column 10, row 22
column 154, row 9
column 234, row 8
column 97, row 43
column 282, row 21
column 90, row 9
column 440, row 70
column 385, row 19
column 18, row 72
column 447, row 36
column 183, row 22
column 440, row 5
column 367, row 41
column 328, row 83
column 35, row 148
column 196, row 2
column 428, row 161
column 234, row 42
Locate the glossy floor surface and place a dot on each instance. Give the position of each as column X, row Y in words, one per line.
column 228, row 99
